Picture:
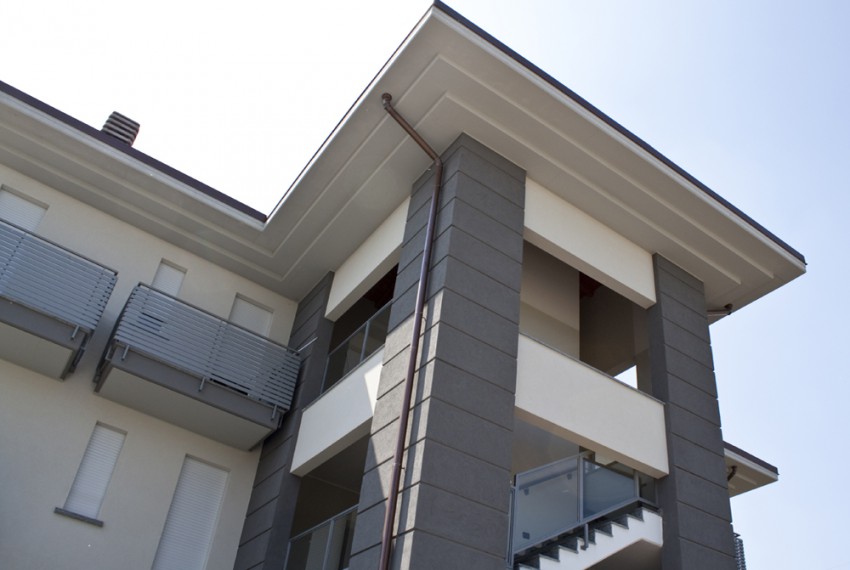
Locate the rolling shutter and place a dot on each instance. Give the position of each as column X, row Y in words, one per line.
column 89, row 487
column 250, row 316
column 192, row 518
column 19, row 211
column 168, row 278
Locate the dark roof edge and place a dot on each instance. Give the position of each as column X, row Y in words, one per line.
column 614, row 124
column 130, row 151
column 751, row 457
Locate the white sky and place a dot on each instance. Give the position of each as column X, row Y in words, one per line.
column 749, row 97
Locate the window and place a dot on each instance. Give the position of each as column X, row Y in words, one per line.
column 250, row 315
column 24, row 213
column 168, row 278
column 89, row 487
column 192, row 518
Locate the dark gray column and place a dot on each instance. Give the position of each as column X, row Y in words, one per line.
column 694, row 497
column 456, row 479
column 266, row 533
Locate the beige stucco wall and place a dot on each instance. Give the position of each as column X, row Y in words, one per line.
column 136, row 256
column 45, row 424
column 549, row 296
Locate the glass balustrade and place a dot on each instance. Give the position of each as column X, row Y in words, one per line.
column 558, row 498
column 359, row 346
column 324, row 547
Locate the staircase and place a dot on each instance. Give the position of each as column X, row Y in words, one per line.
column 634, row 537
column 576, row 513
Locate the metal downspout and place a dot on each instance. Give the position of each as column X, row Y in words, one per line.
column 392, row 498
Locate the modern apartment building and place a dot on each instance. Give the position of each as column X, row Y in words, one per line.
column 187, row 383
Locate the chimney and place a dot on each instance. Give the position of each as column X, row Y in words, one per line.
column 122, row 128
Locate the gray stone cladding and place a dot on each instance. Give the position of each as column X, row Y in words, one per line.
column 694, row 497
column 453, row 512
column 268, row 525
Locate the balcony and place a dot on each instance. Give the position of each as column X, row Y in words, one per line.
column 327, row 546
column 181, row 364
column 578, row 403
column 51, row 300
column 358, row 347
column 343, row 413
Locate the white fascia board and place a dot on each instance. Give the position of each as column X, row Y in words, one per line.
column 367, row 264
column 569, row 234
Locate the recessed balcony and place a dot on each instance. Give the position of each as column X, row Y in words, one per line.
column 181, row 364
column 51, row 300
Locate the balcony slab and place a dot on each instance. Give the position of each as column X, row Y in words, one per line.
column 164, row 392
column 37, row 341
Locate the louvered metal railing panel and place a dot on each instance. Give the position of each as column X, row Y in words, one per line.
column 51, row 279
column 194, row 341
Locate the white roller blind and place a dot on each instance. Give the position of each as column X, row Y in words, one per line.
column 89, row 487
column 168, row 278
column 192, row 518
column 19, row 211
column 251, row 316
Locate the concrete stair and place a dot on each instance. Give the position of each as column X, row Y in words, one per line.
column 607, row 538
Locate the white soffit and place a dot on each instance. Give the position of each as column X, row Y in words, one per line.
column 465, row 83
column 446, row 79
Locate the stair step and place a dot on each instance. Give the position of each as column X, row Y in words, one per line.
column 570, row 544
column 622, row 524
column 545, row 562
column 603, row 527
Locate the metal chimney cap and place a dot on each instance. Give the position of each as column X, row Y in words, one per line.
column 122, row 128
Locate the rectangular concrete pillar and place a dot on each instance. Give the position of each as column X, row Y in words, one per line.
column 268, row 525
column 694, row 497
column 453, row 510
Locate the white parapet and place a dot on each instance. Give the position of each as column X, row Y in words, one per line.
column 562, row 395
column 339, row 417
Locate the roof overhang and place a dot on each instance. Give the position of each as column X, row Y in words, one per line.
column 746, row 471
column 448, row 77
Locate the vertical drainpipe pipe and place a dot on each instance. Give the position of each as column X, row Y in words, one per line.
column 395, row 482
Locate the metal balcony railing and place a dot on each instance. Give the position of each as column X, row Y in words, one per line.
column 360, row 345
column 564, row 497
column 326, row 546
column 194, row 341
column 52, row 280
